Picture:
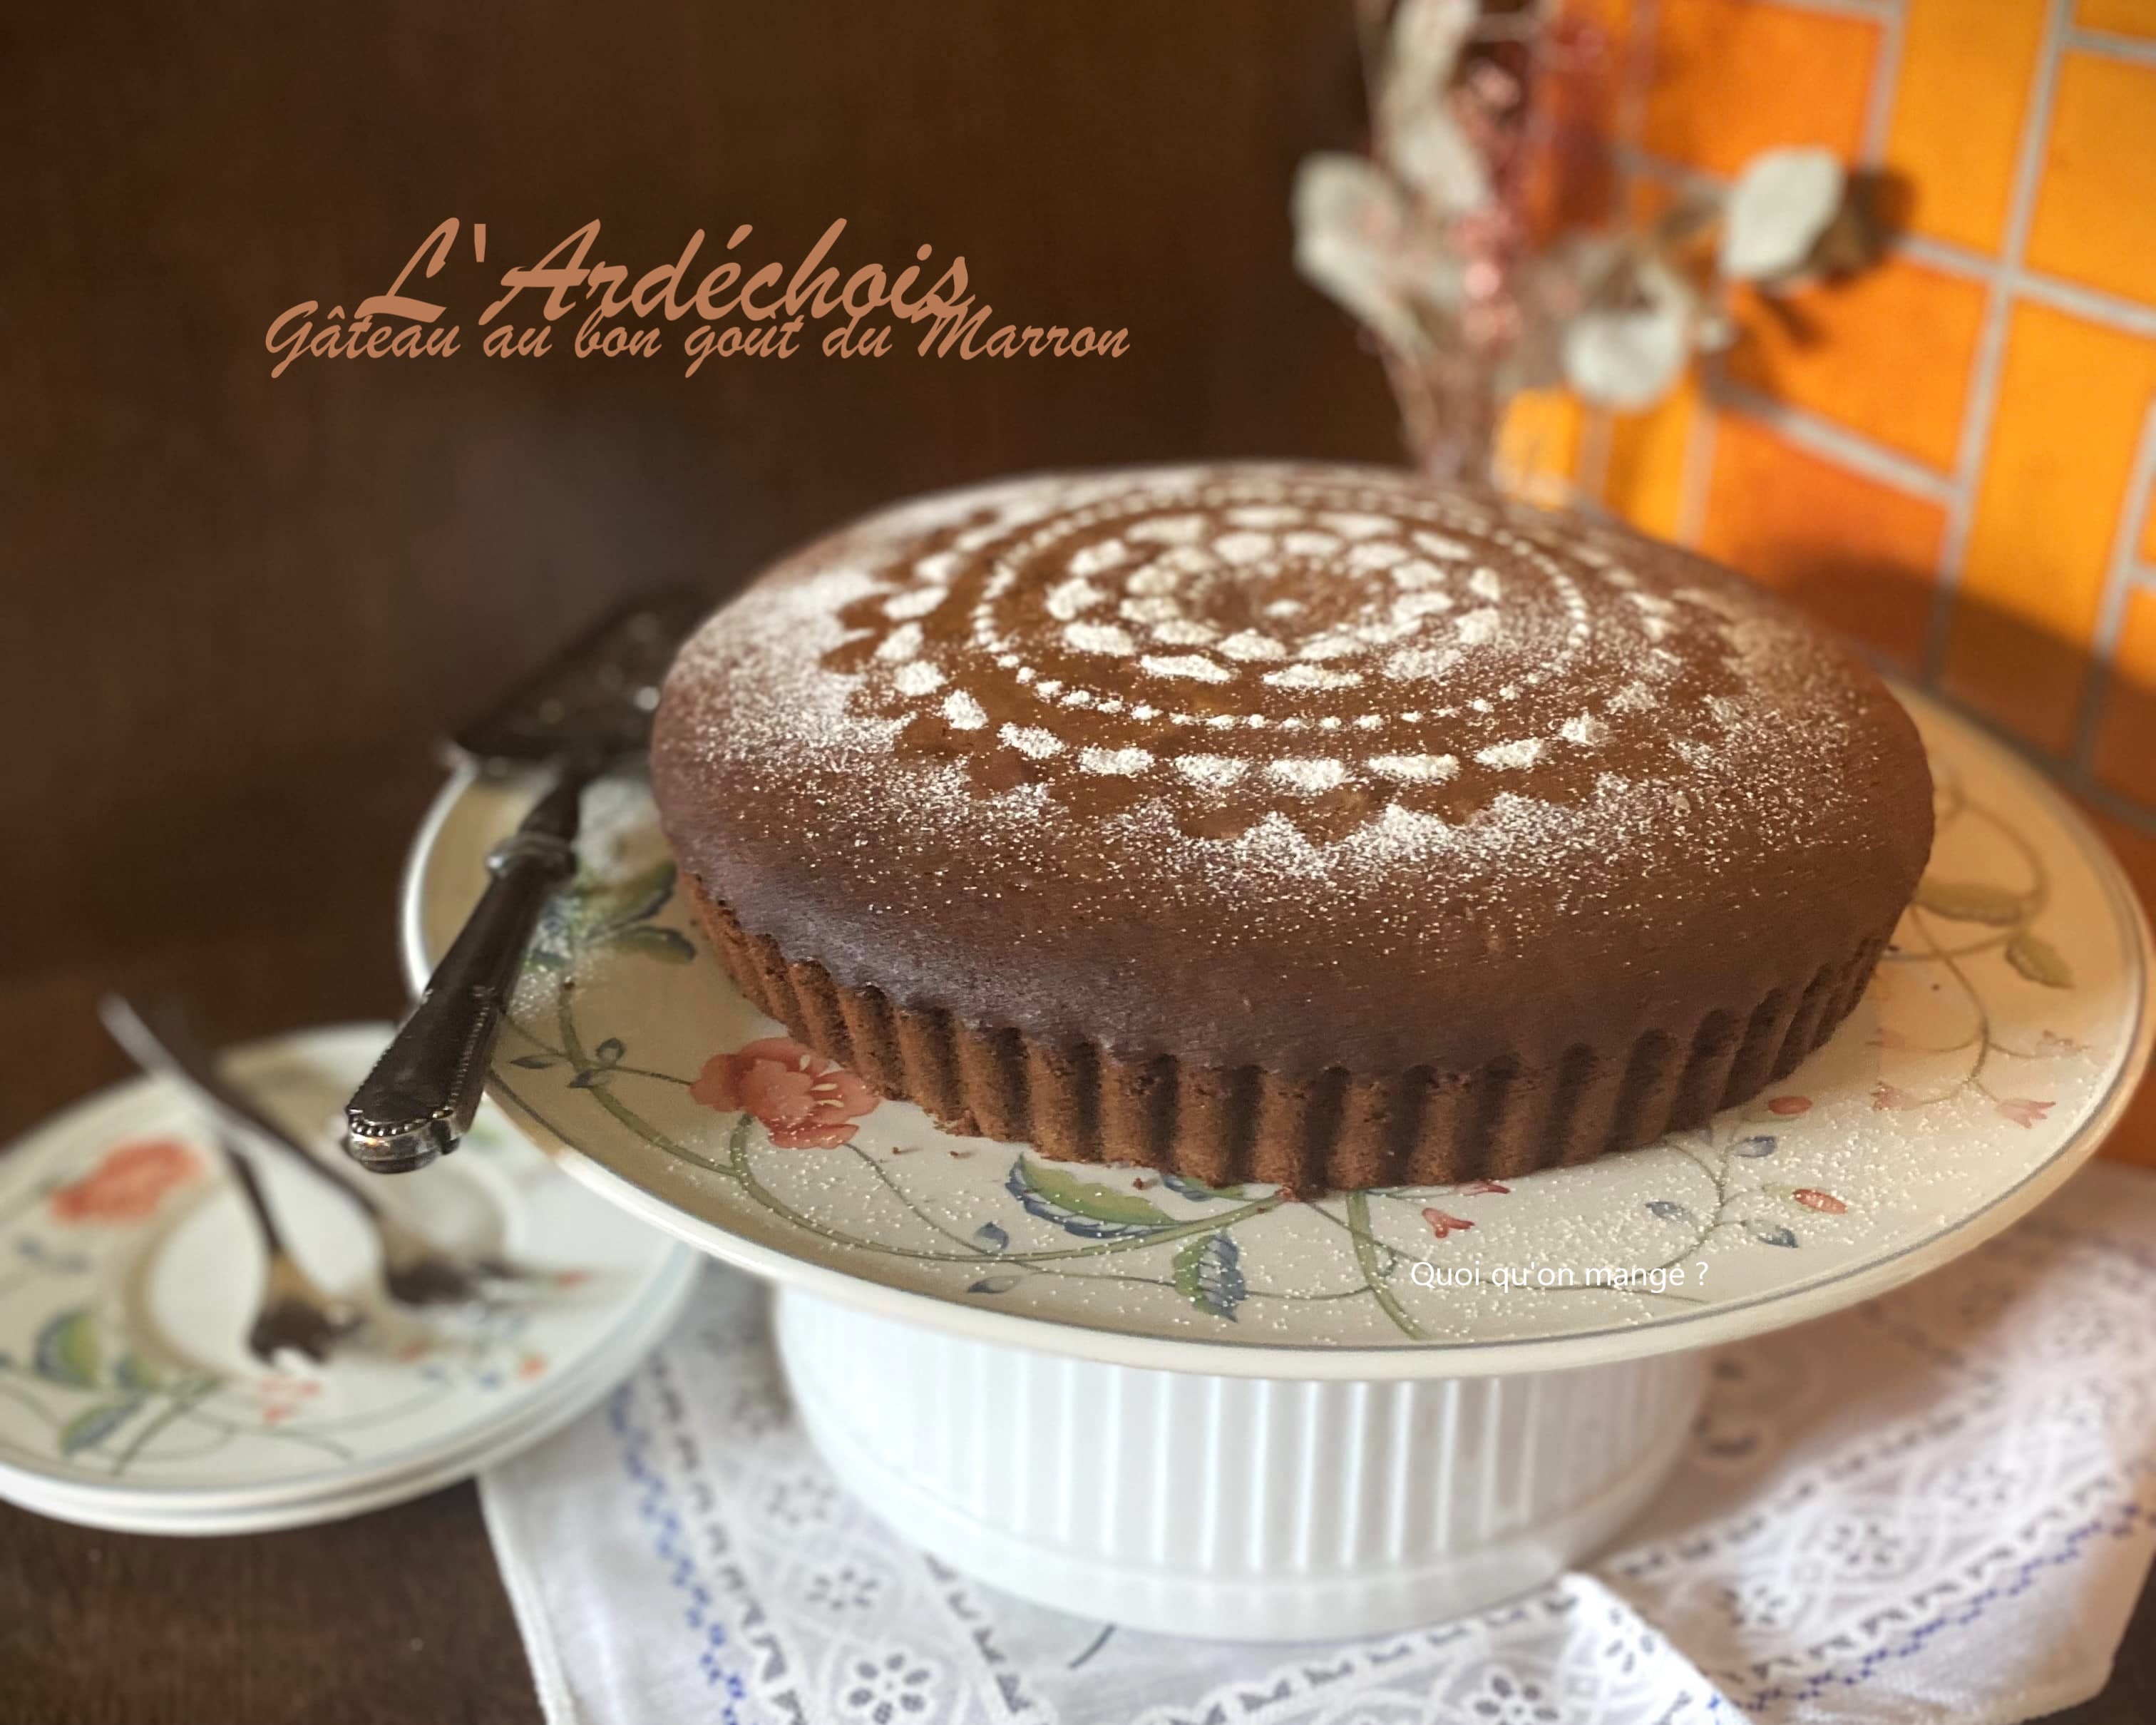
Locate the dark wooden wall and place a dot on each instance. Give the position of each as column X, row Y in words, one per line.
column 235, row 611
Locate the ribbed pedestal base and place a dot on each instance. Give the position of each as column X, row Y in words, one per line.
column 1247, row 1508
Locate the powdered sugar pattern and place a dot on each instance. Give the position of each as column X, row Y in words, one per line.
column 1189, row 636
column 916, row 671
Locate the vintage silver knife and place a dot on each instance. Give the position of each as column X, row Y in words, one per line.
column 586, row 712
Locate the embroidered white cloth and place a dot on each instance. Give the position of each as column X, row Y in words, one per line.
column 1936, row 1506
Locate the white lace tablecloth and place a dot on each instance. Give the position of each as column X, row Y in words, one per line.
column 1936, row 1506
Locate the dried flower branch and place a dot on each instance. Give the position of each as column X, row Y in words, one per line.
column 1426, row 243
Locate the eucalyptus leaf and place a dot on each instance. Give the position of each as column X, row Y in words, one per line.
column 1351, row 236
column 1771, row 1234
column 1628, row 349
column 1668, row 1209
column 1419, row 134
column 1759, row 1144
column 1784, row 200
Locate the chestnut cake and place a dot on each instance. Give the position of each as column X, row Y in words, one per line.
column 1287, row 823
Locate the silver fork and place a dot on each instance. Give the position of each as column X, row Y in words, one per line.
column 294, row 1312
column 414, row 1272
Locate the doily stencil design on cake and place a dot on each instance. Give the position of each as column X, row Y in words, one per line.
column 1327, row 649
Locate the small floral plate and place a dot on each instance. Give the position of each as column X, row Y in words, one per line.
column 2002, row 1034
column 130, row 1273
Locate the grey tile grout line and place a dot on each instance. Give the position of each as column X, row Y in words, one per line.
column 2121, row 808
column 2122, row 573
column 1982, row 406
column 2086, row 39
column 1885, row 84
column 1698, row 471
column 1849, row 449
column 2111, row 45
column 2092, row 304
column 1872, row 11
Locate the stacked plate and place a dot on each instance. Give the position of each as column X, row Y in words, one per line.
column 130, row 1272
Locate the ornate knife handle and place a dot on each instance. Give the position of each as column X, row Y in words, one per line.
column 419, row 1099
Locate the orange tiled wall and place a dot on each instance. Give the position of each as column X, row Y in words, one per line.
column 1952, row 455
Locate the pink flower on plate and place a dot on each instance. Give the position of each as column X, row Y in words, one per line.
column 1788, row 1105
column 1892, row 1095
column 129, row 1181
column 1476, row 1188
column 805, row 1101
column 2022, row 1110
column 1441, row 1224
column 1825, row 1203
column 285, row 1398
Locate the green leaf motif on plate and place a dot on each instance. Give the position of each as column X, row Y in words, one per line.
column 1082, row 1207
column 1971, row 901
column 669, row 946
column 133, row 1371
column 67, row 1350
column 93, row 1425
column 593, row 911
column 2038, row 960
column 615, row 903
column 1184, row 1186
column 1209, row 1274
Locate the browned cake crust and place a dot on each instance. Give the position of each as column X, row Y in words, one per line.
column 1338, row 1130
column 1286, row 823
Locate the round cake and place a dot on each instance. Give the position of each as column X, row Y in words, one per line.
column 1287, row 823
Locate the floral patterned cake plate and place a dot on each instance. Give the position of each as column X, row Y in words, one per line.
column 2001, row 1037
column 129, row 1274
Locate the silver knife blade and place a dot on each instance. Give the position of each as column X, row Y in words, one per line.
column 596, row 695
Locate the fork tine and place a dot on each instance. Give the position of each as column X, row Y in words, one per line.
column 413, row 1271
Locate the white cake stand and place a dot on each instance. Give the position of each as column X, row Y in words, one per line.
column 1219, row 1413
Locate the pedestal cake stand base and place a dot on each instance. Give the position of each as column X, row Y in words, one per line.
column 1213, row 1411
column 1241, row 1508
